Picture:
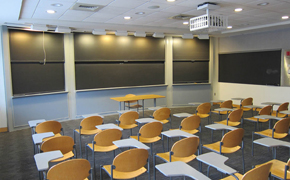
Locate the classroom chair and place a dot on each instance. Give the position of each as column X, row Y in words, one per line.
column 235, row 118
column 63, row 143
column 225, row 104
column 103, row 142
column 74, row 169
column 279, row 131
column 130, row 104
column 258, row 173
column 282, row 107
column 162, row 115
column 229, row 143
column 88, row 127
column 127, row 120
column 204, row 111
column 264, row 111
column 128, row 164
column 279, row 169
column 149, row 133
column 49, row 126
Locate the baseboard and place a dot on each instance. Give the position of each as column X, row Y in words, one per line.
column 5, row 129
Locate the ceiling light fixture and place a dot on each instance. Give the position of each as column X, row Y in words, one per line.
column 140, row 34
column 170, row 0
column 57, row 4
column 185, row 23
column 127, row 17
column 51, row 11
column 203, row 36
column 140, row 13
column 238, row 9
column 121, row 33
column 158, row 35
column 62, row 29
column 39, row 27
column 285, row 17
column 99, row 32
column 153, row 7
column 229, row 27
column 187, row 36
column 263, row 4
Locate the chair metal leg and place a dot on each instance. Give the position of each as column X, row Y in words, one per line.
column 208, row 171
column 154, row 171
column 101, row 176
column 243, row 160
column 81, row 153
column 253, row 143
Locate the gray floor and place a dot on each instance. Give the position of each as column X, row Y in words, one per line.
column 17, row 160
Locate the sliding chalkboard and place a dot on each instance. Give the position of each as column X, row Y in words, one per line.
column 92, row 75
column 190, row 71
column 190, row 60
column 114, row 61
column 37, row 62
column 261, row 68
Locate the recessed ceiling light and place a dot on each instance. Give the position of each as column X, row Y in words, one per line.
column 140, row 13
column 154, row 7
column 57, row 5
column 127, row 17
column 263, row 4
column 285, row 17
column 51, row 11
column 229, row 27
column 238, row 9
column 170, row 0
column 185, row 23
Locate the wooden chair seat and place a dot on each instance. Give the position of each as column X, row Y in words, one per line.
column 146, row 140
column 56, row 135
column 278, row 169
column 230, row 123
column 220, row 112
column 65, row 156
column 268, row 132
column 216, row 147
column 88, row 132
column 246, row 109
column 232, row 177
column 202, row 115
column 256, row 119
column 102, row 148
column 124, row 175
column 128, row 126
column 165, row 156
column 164, row 121
column 274, row 113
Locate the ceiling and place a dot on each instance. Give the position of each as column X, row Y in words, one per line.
column 254, row 17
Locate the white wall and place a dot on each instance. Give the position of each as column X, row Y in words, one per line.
column 73, row 104
column 245, row 43
column 3, row 114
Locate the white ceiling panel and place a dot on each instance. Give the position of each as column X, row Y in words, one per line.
column 113, row 10
column 150, row 4
column 74, row 15
column 98, row 2
column 176, row 9
column 128, row 3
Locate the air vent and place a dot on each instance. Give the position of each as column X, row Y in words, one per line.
column 181, row 17
column 87, row 7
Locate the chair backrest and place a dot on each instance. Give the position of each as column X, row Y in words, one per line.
column 131, row 160
column 282, row 126
column 185, row 147
column 74, row 169
column 130, row 95
column 283, row 107
column 233, row 138
column 106, row 137
column 150, row 130
column 247, row 101
column 63, row 143
column 91, row 122
column 162, row 113
column 48, row 126
column 266, row 110
column 259, row 173
column 236, row 115
column 203, row 108
column 128, row 118
column 190, row 123
column 227, row 104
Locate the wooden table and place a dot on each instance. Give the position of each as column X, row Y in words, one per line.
column 136, row 98
column 179, row 168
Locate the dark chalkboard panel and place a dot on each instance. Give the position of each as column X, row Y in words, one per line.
column 30, row 74
column 262, row 68
column 29, row 78
column 190, row 72
column 118, row 74
column 110, row 47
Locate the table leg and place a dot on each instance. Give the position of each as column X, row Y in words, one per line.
column 143, row 106
column 167, row 143
column 154, row 102
column 120, row 104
